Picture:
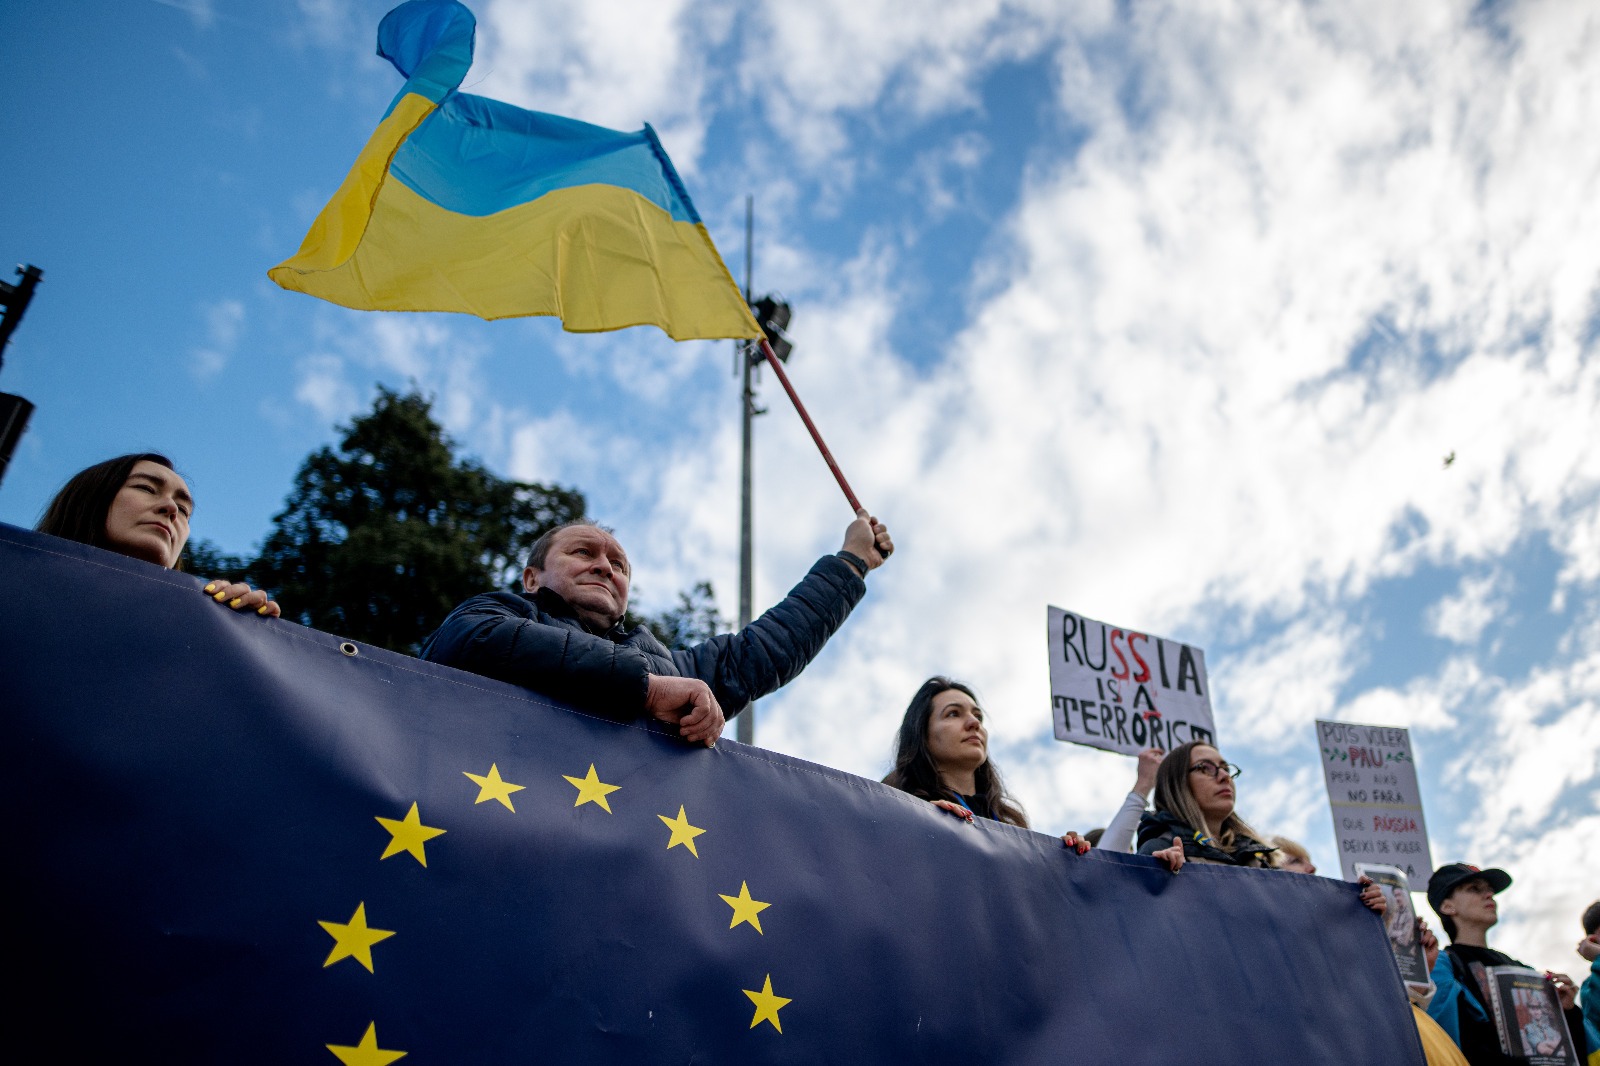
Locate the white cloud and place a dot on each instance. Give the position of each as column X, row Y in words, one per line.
column 815, row 65
column 1293, row 805
column 617, row 63
column 190, row 63
column 330, row 22
column 322, row 386
column 1543, row 742
column 1578, row 541
column 1424, row 702
column 941, row 176
column 623, row 62
column 1477, row 602
column 200, row 11
column 640, row 364
column 425, row 352
column 224, row 320
column 551, row 448
column 1268, row 694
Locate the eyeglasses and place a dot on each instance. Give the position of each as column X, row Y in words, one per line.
column 1213, row 771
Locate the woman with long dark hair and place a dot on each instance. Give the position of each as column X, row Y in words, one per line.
column 136, row 505
column 942, row 755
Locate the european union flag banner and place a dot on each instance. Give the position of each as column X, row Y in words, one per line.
column 237, row 840
column 460, row 203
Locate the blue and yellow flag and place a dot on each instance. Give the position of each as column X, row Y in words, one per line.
column 460, row 203
column 235, row 840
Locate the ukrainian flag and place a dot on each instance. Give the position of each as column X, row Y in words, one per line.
column 460, row 203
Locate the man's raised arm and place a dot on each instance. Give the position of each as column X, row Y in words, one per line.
column 772, row 650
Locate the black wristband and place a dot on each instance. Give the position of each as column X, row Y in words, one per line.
column 855, row 561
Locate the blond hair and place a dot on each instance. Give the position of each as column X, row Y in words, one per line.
column 1288, row 851
column 1174, row 797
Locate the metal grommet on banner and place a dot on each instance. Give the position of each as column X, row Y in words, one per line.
column 349, row 648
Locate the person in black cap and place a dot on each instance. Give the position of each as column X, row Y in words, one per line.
column 1463, row 898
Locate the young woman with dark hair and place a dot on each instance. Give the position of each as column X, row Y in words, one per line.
column 137, row 505
column 942, row 755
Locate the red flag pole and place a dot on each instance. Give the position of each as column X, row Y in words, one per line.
column 794, row 398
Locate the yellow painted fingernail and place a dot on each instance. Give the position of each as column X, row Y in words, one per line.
column 219, row 597
column 211, row 587
column 262, row 609
column 236, row 601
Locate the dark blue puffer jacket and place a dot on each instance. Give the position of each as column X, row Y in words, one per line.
column 536, row 641
column 1157, row 828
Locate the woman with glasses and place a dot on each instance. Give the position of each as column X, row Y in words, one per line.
column 1194, row 809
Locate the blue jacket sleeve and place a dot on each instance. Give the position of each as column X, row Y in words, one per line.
column 771, row 651
column 1446, row 1006
column 498, row 636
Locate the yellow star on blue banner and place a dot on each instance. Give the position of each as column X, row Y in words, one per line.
column 682, row 832
column 409, row 835
column 592, row 790
column 745, row 909
column 354, row 939
column 491, row 787
column 767, row 1005
column 366, row 1053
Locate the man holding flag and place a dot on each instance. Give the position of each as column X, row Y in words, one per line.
column 563, row 635
column 465, row 204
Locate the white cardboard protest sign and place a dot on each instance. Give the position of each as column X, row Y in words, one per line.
column 1377, row 808
column 1123, row 690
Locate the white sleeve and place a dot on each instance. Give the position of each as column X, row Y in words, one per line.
column 1119, row 834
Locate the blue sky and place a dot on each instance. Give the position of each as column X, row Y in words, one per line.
column 1166, row 314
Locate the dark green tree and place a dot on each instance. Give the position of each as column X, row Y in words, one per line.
column 693, row 621
column 382, row 536
column 203, row 558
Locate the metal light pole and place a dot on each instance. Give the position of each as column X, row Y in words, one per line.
column 773, row 316
column 745, row 729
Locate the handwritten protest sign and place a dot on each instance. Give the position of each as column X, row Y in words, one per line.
column 1377, row 808
column 1123, row 690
